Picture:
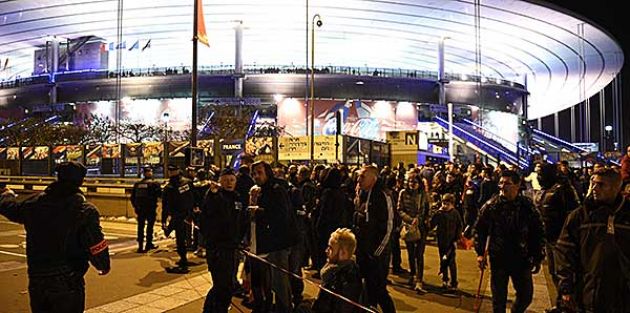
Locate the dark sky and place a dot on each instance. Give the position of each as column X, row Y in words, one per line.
column 610, row 15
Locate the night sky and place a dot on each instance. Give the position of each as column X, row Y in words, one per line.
column 611, row 16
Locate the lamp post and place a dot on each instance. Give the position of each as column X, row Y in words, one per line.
column 166, row 117
column 609, row 138
column 317, row 20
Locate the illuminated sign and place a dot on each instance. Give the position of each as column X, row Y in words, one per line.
column 294, row 148
column 229, row 148
column 405, row 141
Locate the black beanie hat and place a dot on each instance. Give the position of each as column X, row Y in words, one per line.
column 71, row 172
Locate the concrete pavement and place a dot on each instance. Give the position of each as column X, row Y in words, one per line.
column 138, row 282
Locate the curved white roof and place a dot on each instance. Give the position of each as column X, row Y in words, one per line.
column 521, row 41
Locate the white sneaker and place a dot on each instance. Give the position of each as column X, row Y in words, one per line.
column 419, row 288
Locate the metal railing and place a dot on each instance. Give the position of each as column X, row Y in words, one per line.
column 247, row 69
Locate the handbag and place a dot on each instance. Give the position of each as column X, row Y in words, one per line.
column 410, row 233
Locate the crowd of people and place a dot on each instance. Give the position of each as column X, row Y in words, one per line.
column 345, row 224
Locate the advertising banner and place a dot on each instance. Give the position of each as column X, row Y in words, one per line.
column 133, row 151
column 59, row 154
column 259, row 146
column 93, row 154
column 152, row 152
column 40, row 153
column 27, row 153
column 13, row 153
column 74, row 153
column 207, row 146
column 111, row 151
column 363, row 119
column 177, row 149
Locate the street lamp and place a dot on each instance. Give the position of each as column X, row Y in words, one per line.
column 317, row 20
column 608, row 137
column 166, row 117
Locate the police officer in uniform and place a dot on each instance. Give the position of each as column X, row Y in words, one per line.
column 201, row 184
column 144, row 197
column 62, row 235
column 177, row 203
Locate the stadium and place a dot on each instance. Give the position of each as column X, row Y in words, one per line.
column 376, row 72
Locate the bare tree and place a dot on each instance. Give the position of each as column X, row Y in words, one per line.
column 99, row 130
column 13, row 131
column 138, row 132
column 224, row 122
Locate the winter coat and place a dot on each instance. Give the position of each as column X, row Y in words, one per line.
column 516, row 232
column 593, row 256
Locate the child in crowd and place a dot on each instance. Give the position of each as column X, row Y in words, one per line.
column 449, row 229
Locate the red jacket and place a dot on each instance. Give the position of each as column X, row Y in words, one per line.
column 625, row 168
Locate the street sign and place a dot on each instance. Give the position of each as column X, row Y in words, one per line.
column 403, row 141
column 325, row 148
column 230, row 148
column 294, row 148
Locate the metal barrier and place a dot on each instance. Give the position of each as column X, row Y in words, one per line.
column 111, row 195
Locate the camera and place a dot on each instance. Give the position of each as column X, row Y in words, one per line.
column 319, row 23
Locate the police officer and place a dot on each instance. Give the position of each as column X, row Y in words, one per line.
column 144, row 196
column 177, row 203
column 515, row 230
column 62, row 235
column 221, row 224
column 201, row 184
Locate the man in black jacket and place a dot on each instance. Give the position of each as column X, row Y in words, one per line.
column 62, row 235
column 144, row 197
column 488, row 186
column 275, row 231
column 515, row 230
column 557, row 199
column 177, row 204
column 593, row 250
column 373, row 225
column 221, row 222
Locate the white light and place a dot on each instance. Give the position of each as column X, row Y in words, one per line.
column 359, row 83
column 278, row 97
column 382, row 110
column 290, row 108
column 608, row 128
column 141, row 111
column 405, row 109
column 103, row 108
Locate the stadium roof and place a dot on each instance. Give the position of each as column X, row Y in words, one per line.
column 526, row 42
